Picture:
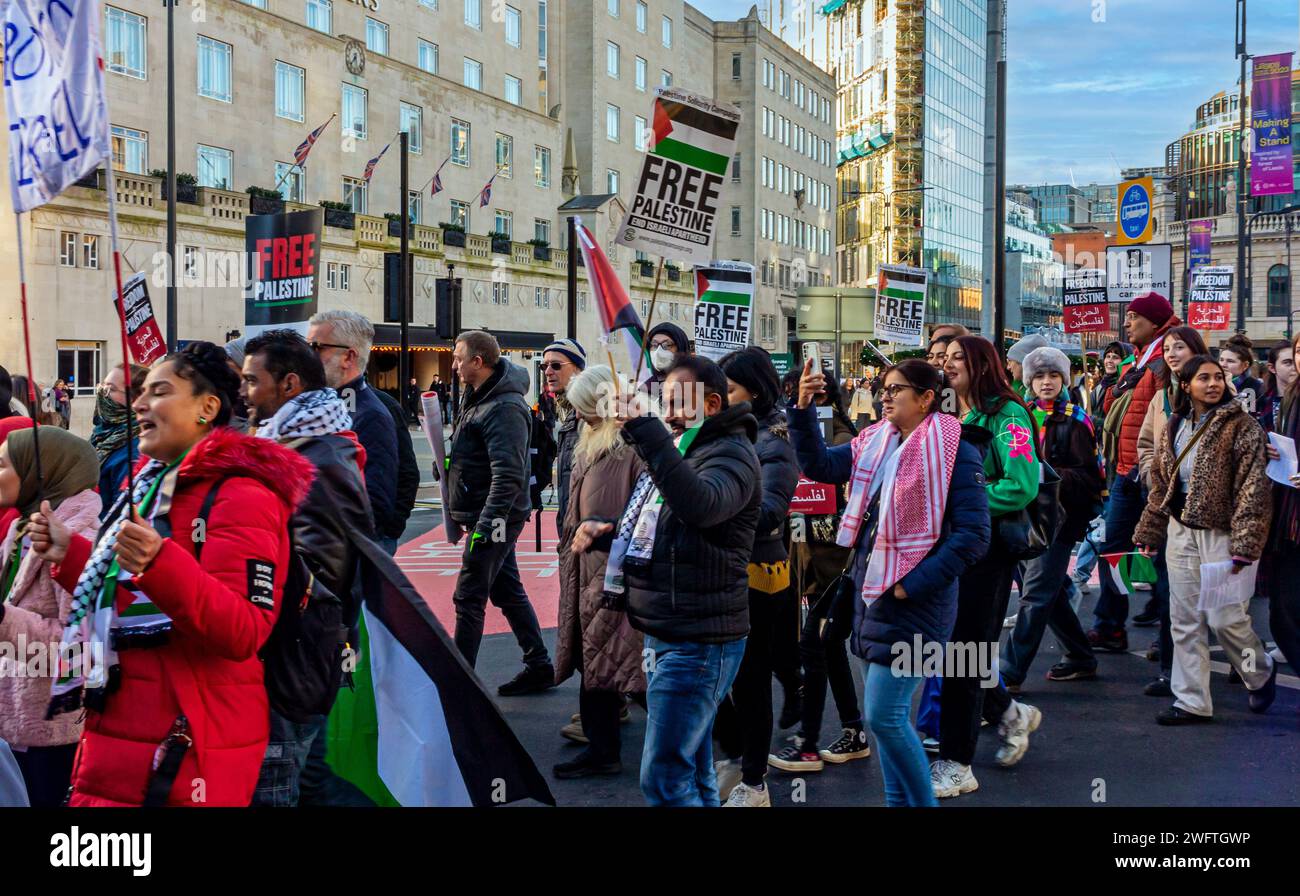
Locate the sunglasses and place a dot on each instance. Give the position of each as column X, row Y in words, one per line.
column 554, row 365
column 317, row 346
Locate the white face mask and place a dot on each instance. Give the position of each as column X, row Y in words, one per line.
column 662, row 358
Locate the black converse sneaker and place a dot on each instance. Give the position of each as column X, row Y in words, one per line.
column 799, row 756
column 852, row 744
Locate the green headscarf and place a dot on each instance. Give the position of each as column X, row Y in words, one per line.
column 68, row 464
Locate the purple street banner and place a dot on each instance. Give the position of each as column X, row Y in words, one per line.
column 1270, row 121
column 1198, row 241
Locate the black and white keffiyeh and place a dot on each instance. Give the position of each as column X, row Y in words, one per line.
column 319, row 412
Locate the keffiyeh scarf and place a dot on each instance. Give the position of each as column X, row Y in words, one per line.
column 94, row 631
column 319, row 412
column 110, row 432
column 909, row 524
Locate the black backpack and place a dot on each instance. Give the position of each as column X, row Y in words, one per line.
column 303, row 658
column 542, row 451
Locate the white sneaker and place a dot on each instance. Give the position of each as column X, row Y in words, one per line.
column 950, row 778
column 744, row 796
column 1081, row 582
column 1014, row 731
column 729, row 775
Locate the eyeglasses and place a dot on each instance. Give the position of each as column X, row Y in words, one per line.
column 895, row 390
column 317, row 346
column 667, row 343
column 553, row 365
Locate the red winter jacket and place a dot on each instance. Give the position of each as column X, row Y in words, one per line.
column 1143, row 393
column 208, row 669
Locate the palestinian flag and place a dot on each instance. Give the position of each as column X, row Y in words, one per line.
column 692, row 136
column 419, row 729
column 616, row 311
column 725, row 286
column 1126, row 570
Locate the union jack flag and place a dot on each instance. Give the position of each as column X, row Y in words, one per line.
column 370, row 166
column 485, row 195
column 436, row 186
column 304, row 148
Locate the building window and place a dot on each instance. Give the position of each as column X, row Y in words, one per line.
column 460, row 213
column 611, row 123
column 735, row 66
column 473, row 74
column 474, row 13
column 667, row 31
column 641, row 11
column 428, row 57
column 642, row 134
column 130, row 150
column 541, row 166
column 214, row 69
column 735, row 220
column 505, row 224
column 412, row 118
column 1279, row 290
column 79, row 365
column 500, row 293
column 215, row 166
column 542, row 230
column 735, row 168
column 354, row 111
column 459, row 142
column 506, row 155
column 665, row 78
column 611, row 59
column 541, row 297
column 338, row 276
column 413, row 205
column 429, row 4
column 289, row 177
column 68, row 250
column 514, row 28
column 611, row 181
column 290, row 83
column 612, row 6
column 376, row 37
column 320, row 15
column 640, row 73
column 355, row 194
column 514, row 90
column 125, row 42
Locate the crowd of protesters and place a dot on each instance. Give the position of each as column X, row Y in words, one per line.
column 687, row 582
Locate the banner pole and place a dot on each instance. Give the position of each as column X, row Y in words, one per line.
column 654, row 296
column 121, row 317
column 32, row 396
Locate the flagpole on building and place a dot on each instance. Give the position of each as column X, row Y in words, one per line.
column 32, row 396
column 654, row 296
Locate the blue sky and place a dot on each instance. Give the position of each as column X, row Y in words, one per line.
column 1087, row 98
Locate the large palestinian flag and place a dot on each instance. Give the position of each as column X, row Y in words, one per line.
column 693, row 136
column 418, row 728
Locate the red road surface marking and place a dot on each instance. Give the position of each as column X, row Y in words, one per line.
column 432, row 566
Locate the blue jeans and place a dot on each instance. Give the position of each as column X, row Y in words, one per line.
column 887, row 707
column 1087, row 561
column 1127, row 501
column 927, row 714
column 286, row 755
column 686, row 682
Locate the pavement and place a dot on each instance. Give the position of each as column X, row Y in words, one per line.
column 1098, row 744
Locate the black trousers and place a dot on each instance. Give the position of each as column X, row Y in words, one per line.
column 490, row 572
column 744, row 724
column 823, row 662
column 1284, row 604
column 599, row 710
column 983, row 594
column 785, row 641
column 47, row 772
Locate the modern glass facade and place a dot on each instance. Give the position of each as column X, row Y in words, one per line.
column 952, row 222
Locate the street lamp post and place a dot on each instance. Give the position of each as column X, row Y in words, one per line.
column 1290, row 302
column 1243, row 236
column 171, row 175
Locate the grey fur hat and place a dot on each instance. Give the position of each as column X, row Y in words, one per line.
column 1021, row 349
column 1045, row 360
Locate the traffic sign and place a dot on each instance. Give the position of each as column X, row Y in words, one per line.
column 1135, row 211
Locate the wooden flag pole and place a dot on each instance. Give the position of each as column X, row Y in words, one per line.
column 121, row 317
column 654, row 296
column 32, row 396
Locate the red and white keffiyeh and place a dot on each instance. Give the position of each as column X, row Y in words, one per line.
column 911, row 521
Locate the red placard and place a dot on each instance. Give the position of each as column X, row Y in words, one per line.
column 1084, row 302
column 813, row 498
column 1210, row 300
column 142, row 332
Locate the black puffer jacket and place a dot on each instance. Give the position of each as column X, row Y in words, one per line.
column 336, row 506
column 780, row 475
column 488, row 476
column 1071, row 450
column 696, row 587
column 567, row 440
column 408, row 470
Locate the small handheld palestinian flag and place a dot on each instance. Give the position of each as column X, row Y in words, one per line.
column 1127, row 570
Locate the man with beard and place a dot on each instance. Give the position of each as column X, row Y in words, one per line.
column 562, row 361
